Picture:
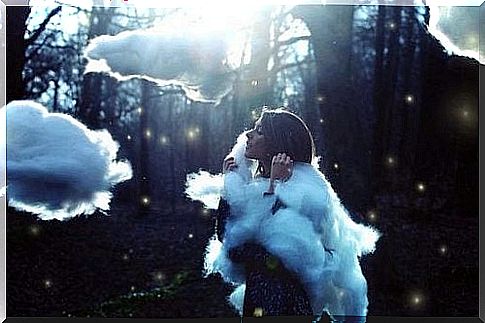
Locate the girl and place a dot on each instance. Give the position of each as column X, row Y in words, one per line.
column 283, row 236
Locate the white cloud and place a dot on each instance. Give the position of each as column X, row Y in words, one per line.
column 175, row 54
column 204, row 187
column 56, row 166
column 456, row 27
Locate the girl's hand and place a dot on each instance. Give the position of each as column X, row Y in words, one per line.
column 228, row 165
column 281, row 169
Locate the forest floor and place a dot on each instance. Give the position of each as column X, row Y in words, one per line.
column 150, row 266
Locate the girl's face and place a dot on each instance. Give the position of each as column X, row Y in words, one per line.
column 257, row 145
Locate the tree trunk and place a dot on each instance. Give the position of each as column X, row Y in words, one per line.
column 16, row 46
column 393, row 98
column 379, row 100
column 91, row 94
column 144, row 179
column 405, row 154
column 253, row 88
column 331, row 40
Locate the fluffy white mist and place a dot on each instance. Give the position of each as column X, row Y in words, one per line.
column 457, row 26
column 208, row 188
column 56, row 166
column 204, row 187
column 182, row 56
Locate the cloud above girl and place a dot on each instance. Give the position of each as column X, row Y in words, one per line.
column 182, row 56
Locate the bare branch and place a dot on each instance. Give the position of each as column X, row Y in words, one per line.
column 292, row 40
column 42, row 26
column 72, row 6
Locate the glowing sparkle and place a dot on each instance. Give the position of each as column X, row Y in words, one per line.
column 254, row 83
column 390, row 160
column 47, row 283
column 191, row 235
column 443, row 250
column 409, row 99
column 145, row 200
column 159, row 276
column 321, row 120
column 336, row 166
column 163, row 140
column 372, row 215
column 197, row 130
column 148, row 133
column 420, row 187
column 125, row 257
column 258, row 312
column 466, row 113
column 191, row 134
column 34, row 230
column 392, row 25
column 205, row 212
column 132, row 288
column 320, row 98
column 128, row 137
column 140, row 110
column 416, row 299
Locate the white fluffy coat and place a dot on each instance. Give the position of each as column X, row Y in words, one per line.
column 312, row 235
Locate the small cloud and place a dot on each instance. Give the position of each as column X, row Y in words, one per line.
column 457, row 28
column 204, row 187
column 57, row 167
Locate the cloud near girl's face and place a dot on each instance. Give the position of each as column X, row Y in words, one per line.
column 56, row 166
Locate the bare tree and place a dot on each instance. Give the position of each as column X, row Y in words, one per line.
column 17, row 44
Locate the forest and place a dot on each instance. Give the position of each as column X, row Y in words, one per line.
column 393, row 114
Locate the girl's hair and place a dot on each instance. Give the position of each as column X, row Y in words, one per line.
column 287, row 133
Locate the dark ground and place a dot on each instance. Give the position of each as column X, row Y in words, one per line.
column 126, row 265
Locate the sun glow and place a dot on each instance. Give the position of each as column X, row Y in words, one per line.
column 231, row 24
